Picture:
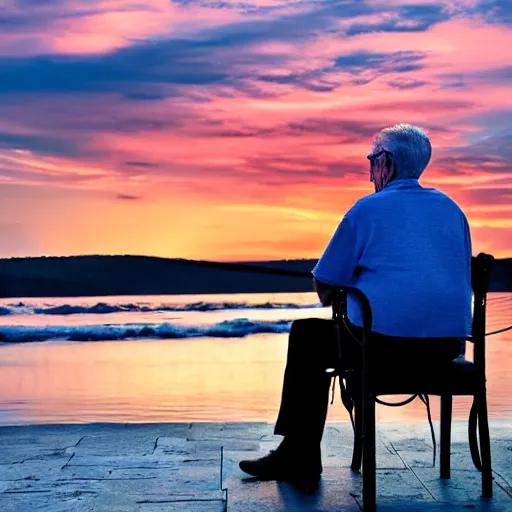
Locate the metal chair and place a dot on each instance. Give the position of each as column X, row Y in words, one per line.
column 365, row 385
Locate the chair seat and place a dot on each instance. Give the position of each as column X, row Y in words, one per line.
column 457, row 378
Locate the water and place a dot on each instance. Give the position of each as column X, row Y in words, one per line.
column 179, row 358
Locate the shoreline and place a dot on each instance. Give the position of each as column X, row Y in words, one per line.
column 499, row 422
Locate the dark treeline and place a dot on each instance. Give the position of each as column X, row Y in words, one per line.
column 141, row 275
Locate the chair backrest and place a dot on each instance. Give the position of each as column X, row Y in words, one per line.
column 480, row 269
column 480, row 277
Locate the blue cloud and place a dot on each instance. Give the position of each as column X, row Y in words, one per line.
column 486, row 151
column 406, row 84
column 500, row 76
column 496, row 11
column 497, row 75
column 397, row 62
column 159, row 63
column 497, row 147
column 492, row 122
column 38, row 143
column 409, row 18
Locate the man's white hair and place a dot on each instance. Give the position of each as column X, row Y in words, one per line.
column 410, row 147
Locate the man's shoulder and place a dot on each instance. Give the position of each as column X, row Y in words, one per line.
column 436, row 192
column 442, row 198
column 358, row 207
column 386, row 198
column 367, row 203
column 366, row 200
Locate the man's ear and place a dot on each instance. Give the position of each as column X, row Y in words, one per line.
column 389, row 169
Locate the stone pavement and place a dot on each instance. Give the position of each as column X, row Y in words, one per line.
column 177, row 468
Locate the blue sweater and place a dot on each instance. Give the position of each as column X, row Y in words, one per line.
column 408, row 248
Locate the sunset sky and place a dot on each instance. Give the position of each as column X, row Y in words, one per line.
column 238, row 130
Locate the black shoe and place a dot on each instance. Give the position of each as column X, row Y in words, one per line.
column 281, row 466
column 270, row 467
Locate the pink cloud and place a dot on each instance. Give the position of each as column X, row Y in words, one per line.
column 85, row 27
column 454, row 46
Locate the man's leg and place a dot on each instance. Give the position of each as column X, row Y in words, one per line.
column 312, row 348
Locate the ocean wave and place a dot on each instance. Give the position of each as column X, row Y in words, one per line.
column 228, row 329
column 104, row 308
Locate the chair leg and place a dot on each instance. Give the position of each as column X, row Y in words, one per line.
column 446, row 429
column 369, row 463
column 485, row 447
column 357, row 453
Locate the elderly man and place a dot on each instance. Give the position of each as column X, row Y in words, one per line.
column 408, row 248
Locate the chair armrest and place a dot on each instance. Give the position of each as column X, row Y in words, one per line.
column 340, row 299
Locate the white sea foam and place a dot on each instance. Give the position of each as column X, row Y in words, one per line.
column 104, row 308
column 237, row 328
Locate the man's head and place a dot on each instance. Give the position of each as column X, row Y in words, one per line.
column 400, row 151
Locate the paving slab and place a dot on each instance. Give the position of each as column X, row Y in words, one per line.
column 177, row 468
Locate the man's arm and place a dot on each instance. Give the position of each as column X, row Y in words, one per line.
column 325, row 292
column 337, row 265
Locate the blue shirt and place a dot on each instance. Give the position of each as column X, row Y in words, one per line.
column 408, row 248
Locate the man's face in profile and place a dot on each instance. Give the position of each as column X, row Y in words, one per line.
column 381, row 168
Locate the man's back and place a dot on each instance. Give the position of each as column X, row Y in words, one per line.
column 408, row 248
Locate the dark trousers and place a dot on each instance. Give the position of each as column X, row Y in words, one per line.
column 313, row 347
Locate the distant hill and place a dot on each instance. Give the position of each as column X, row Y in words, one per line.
column 142, row 275
column 146, row 275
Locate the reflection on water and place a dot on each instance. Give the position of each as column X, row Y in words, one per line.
column 199, row 379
